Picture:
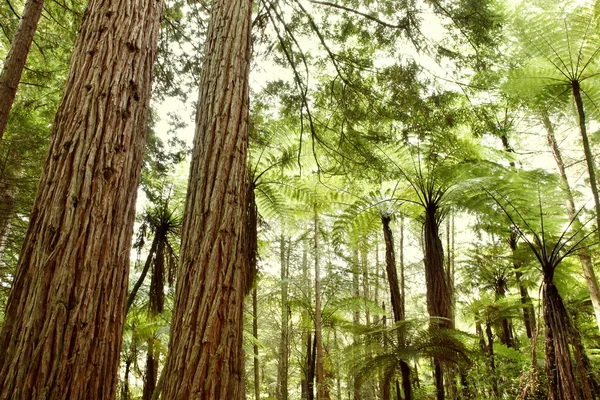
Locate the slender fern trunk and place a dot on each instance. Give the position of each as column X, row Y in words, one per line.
column 255, row 346
column 583, row 253
column 562, row 380
column 527, row 306
column 589, row 157
column 356, row 392
column 396, row 298
column 64, row 319
column 320, row 370
column 205, row 349
column 282, row 362
column 17, row 57
column 439, row 300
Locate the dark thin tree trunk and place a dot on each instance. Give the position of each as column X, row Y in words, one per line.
column 151, row 372
column 396, row 298
column 491, row 355
column 355, row 320
column 282, row 361
column 528, row 311
column 140, row 281
column 206, row 358
column 16, row 58
column 255, row 346
column 64, row 319
column 320, row 355
column 589, row 157
column 7, row 207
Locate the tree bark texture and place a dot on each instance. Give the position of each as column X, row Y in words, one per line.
column 560, row 373
column 396, row 298
column 583, row 253
column 17, row 57
column 439, row 298
column 589, row 157
column 439, row 301
column 64, row 318
column 205, row 349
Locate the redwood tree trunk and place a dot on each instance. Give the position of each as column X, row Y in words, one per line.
column 61, row 337
column 16, row 58
column 205, row 349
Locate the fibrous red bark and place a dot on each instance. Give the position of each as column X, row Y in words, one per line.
column 205, row 350
column 62, row 332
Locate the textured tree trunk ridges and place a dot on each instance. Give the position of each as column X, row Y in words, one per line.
column 63, row 329
column 205, row 348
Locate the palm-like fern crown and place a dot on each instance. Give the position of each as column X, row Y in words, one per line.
column 561, row 46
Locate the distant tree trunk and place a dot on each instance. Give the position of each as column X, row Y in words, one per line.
column 156, row 305
column 205, row 358
column 396, row 298
column 439, row 301
column 356, row 384
column 16, row 58
column 140, row 281
column 282, row 362
column 307, row 384
column 255, row 347
column 151, row 371
column 7, row 207
column 589, row 157
column 506, row 336
column 583, row 253
column 528, row 311
column 63, row 325
column 491, row 355
column 320, row 373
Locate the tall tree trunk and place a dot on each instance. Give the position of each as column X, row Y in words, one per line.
column 528, row 311
column 16, row 58
column 7, row 207
column 356, row 384
column 151, row 372
column 282, row 362
column 205, row 349
column 583, row 253
column 140, row 281
column 308, row 373
column 562, row 380
column 491, row 355
column 320, row 373
column 396, row 298
column 255, row 347
column 439, row 301
column 62, row 332
column 589, row 157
